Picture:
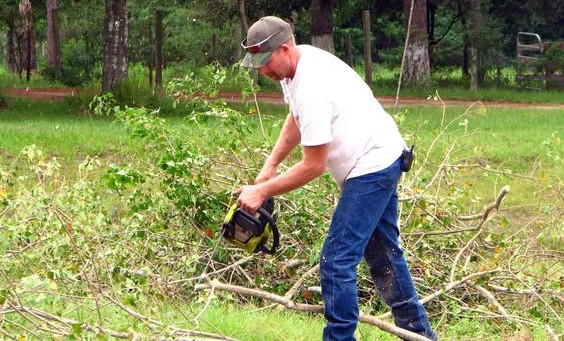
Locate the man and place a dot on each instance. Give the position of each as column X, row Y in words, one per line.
column 343, row 130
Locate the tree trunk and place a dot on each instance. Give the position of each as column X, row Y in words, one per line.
column 114, row 69
column 89, row 48
column 322, row 24
column 159, row 48
column 367, row 47
column 465, row 38
column 53, row 42
column 243, row 16
column 237, row 51
column 11, row 61
column 150, row 55
column 477, row 74
column 27, row 58
column 417, row 71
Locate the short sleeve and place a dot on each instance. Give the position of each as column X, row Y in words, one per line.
column 314, row 119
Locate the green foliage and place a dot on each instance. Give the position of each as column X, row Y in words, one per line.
column 552, row 59
column 77, row 65
column 192, row 40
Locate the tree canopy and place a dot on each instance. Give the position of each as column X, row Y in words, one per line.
column 199, row 32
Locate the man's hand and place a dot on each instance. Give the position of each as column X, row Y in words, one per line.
column 250, row 198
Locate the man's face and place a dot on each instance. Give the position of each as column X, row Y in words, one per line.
column 278, row 65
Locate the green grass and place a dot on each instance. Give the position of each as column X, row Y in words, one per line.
column 485, row 94
column 250, row 323
column 62, row 131
column 11, row 79
column 511, row 137
column 241, row 323
column 516, row 139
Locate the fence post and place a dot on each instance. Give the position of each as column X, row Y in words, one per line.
column 367, row 47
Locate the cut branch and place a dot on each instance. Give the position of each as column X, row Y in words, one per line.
column 368, row 319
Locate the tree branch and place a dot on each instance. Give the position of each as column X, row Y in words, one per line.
column 368, row 319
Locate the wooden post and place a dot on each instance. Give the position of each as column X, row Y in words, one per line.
column 367, row 47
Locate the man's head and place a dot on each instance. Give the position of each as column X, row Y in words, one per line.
column 263, row 38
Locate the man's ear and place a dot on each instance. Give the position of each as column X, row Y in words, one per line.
column 284, row 47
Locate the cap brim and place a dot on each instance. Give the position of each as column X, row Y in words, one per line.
column 255, row 60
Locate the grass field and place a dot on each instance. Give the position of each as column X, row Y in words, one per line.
column 519, row 140
column 520, row 147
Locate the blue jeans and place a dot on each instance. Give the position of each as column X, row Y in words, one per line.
column 365, row 223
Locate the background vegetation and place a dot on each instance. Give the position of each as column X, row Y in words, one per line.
column 199, row 32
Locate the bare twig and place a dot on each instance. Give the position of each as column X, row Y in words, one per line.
column 65, row 330
column 446, row 289
column 491, row 298
column 196, row 319
column 133, row 313
column 437, row 233
column 485, row 215
column 551, row 334
column 292, row 291
column 67, row 226
column 216, row 272
column 506, row 290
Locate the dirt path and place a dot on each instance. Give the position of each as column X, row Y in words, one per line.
column 276, row 98
column 389, row 101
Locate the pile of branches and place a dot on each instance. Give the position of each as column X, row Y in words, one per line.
column 158, row 239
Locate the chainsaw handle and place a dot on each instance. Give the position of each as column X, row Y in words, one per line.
column 275, row 233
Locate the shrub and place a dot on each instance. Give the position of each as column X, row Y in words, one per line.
column 3, row 103
column 553, row 59
column 77, row 65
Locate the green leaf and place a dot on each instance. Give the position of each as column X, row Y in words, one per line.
column 535, row 312
column 76, row 329
column 3, row 296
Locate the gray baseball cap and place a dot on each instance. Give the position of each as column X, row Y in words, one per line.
column 263, row 38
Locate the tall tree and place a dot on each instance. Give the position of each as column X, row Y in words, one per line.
column 27, row 56
column 11, row 60
column 465, row 38
column 417, row 70
column 53, row 42
column 115, row 44
column 159, row 48
column 322, row 24
column 477, row 72
column 8, row 14
column 243, row 16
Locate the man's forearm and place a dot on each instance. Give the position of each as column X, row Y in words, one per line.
column 295, row 177
column 287, row 141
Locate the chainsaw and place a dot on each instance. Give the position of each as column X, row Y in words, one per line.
column 251, row 232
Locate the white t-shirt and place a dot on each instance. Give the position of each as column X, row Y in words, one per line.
column 332, row 104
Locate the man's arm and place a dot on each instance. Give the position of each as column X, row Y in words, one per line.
column 287, row 140
column 312, row 165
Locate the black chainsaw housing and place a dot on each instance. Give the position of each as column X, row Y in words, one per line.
column 251, row 232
